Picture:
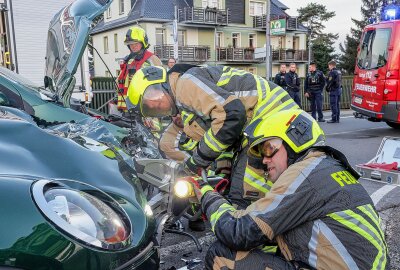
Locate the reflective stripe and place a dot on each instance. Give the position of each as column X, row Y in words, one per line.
column 217, row 214
column 189, row 146
column 369, row 211
column 261, row 87
column 250, row 93
column 320, row 227
column 186, row 117
column 213, row 143
column 176, row 145
column 358, row 224
column 292, row 187
column 276, row 96
column 270, row 249
column 226, row 76
column 204, row 87
column 205, row 189
column 256, row 181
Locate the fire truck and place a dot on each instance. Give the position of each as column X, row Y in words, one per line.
column 376, row 85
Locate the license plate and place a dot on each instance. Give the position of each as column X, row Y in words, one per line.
column 358, row 100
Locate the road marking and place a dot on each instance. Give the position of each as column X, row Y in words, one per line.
column 351, row 131
column 343, row 117
column 380, row 193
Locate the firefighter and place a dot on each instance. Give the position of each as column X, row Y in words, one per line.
column 292, row 81
column 313, row 88
column 334, row 87
column 216, row 104
column 317, row 211
column 280, row 77
column 137, row 42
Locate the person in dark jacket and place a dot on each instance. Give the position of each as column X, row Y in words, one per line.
column 292, row 81
column 317, row 212
column 280, row 77
column 334, row 87
column 313, row 88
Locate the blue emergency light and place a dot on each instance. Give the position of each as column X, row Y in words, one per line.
column 390, row 13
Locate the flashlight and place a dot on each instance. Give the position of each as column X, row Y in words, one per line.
column 183, row 189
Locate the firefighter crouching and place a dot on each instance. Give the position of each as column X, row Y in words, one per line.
column 318, row 213
column 216, row 104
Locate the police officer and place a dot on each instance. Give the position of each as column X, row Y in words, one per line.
column 313, row 87
column 280, row 77
column 292, row 81
column 334, row 87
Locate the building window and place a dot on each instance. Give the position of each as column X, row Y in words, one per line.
column 116, row 42
column 219, row 42
column 159, row 36
column 257, row 8
column 108, row 13
column 105, row 43
column 235, row 40
column 181, row 37
column 212, row 4
column 121, row 7
column 253, row 70
column 252, row 40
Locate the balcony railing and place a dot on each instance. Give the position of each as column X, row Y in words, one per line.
column 289, row 55
column 203, row 15
column 185, row 53
column 236, row 55
column 292, row 23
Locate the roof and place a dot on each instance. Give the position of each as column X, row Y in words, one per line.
column 279, row 4
column 276, row 11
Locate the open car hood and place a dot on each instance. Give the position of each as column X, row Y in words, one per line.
column 67, row 39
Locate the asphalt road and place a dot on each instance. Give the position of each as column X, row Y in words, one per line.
column 359, row 140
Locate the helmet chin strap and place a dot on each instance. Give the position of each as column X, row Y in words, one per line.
column 292, row 155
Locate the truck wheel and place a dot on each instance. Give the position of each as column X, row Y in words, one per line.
column 393, row 125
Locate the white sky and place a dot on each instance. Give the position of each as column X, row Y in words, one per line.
column 341, row 23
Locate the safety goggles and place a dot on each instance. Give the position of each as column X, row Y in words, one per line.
column 270, row 147
column 156, row 102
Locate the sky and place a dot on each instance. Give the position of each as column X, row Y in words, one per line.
column 341, row 23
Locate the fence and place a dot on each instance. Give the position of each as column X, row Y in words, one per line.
column 104, row 91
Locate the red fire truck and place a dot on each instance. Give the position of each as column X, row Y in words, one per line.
column 376, row 85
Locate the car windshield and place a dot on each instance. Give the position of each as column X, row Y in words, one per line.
column 374, row 49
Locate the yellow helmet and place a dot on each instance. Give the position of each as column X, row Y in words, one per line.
column 295, row 127
column 149, row 93
column 136, row 34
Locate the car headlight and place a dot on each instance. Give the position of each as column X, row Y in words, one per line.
column 85, row 217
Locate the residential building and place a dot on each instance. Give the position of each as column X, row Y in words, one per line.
column 213, row 32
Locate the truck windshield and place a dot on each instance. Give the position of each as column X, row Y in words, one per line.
column 374, row 49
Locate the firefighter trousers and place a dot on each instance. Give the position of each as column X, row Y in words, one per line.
column 220, row 256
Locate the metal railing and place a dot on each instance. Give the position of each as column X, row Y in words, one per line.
column 185, row 53
column 286, row 55
column 236, row 54
column 292, row 23
column 102, row 95
column 204, row 15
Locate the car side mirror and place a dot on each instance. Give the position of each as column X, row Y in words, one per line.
column 4, row 101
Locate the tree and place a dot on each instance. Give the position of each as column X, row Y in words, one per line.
column 315, row 16
column 369, row 9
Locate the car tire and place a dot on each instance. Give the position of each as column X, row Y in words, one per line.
column 393, row 125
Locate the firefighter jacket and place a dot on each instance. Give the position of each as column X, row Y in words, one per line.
column 128, row 69
column 292, row 81
column 170, row 143
column 334, row 80
column 280, row 79
column 216, row 104
column 317, row 212
column 315, row 81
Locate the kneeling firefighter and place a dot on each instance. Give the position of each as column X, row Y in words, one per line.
column 317, row 212
column 216, row 104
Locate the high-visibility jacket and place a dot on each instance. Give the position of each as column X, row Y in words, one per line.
column 128, row 69
column 317, row 212
column 217, row 103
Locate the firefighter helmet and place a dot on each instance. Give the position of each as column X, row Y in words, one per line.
column 295, row 127
column 148, row 93
column 136, row 34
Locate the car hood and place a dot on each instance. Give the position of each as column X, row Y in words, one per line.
column 67, row 39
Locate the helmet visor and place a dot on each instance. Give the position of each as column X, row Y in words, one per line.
column 270, row 147
column 156, row 102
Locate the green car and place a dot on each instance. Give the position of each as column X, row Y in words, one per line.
column 68, row 203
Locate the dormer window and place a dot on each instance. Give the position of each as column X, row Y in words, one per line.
column 257, row 8
column 108, row 13
column 212, row 4
column 121, row 7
